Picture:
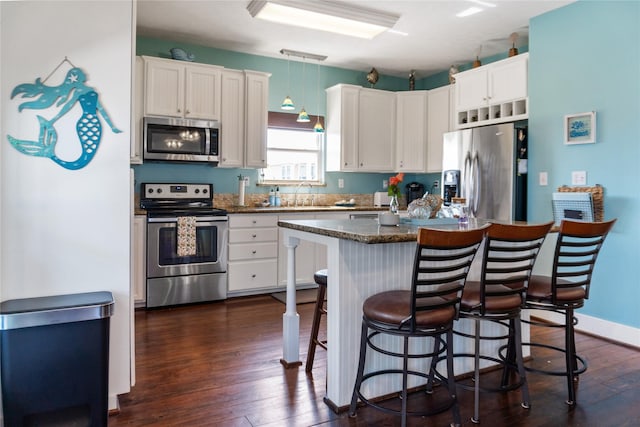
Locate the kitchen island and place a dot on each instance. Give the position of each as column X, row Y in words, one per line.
column 363, row 258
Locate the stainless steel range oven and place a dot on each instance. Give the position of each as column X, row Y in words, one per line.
column 175, row 275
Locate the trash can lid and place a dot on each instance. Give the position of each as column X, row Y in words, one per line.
column 50, row 310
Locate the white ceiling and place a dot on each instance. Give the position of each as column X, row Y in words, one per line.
column 437, row 38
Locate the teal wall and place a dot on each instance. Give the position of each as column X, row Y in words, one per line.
column 225, row 180
column 586, row 57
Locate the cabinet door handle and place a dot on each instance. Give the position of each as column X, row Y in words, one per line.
column 253, row 276
column 255, row 222
column 253, row 252
column 179, row 110
column 253, row 235
column 187, row 112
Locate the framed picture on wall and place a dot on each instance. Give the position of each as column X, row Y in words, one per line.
column 580, row 128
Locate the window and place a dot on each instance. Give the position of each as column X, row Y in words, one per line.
column 294, row 151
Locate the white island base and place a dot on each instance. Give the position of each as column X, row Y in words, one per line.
column 356, row 271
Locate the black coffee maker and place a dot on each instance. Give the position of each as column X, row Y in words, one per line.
column 414, row 190
column 451, row 185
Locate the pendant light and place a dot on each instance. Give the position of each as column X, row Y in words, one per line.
column 318, row 126
column 287, row 104
column 303, row 117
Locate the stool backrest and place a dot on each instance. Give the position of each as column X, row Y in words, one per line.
column 577, row 249
column 440, row 268
column 509, row 254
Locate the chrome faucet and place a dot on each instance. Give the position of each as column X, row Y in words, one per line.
column 295, row 196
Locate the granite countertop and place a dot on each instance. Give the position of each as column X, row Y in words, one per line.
column 289, row 209
column 286, row 209
column 369, row 231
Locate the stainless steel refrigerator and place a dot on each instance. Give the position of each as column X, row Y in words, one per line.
column 487, row 166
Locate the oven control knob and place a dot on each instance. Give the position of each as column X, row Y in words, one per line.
column 150, row 191
column 197, row 190
column 205, row 191
column 159, row 190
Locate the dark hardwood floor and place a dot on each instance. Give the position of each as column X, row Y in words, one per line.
column 218, row 364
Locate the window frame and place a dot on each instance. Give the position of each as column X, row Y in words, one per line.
column 287, row 121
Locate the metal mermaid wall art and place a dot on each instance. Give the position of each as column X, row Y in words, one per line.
column 71, row 92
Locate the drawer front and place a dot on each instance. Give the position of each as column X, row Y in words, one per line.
column 247, row 235
column 247, row 251
column 249, row 221
column 246, row 275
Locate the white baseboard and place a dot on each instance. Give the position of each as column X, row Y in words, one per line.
column 595, row 326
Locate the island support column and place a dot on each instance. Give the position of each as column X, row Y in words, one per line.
column 291, row 318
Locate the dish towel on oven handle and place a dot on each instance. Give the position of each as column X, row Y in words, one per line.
column 186, row 236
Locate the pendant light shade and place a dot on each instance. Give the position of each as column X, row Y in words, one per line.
column 318, row 126
column 287, row 103
column 303, row 117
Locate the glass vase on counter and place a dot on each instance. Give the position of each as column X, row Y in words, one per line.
column 393, row 204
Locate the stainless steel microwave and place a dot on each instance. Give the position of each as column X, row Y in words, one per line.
column 181, row 140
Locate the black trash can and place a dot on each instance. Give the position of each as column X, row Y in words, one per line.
column 55, row 360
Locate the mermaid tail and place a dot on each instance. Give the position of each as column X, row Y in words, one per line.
column 44, row 146
column 88, row 129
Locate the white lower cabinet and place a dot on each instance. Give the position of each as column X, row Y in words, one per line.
column 138, row 259
column 258, row 257
column 253, row 253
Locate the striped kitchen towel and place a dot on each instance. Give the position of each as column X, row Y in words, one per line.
column 186, row 235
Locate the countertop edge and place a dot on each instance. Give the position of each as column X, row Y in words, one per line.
column 356, row 237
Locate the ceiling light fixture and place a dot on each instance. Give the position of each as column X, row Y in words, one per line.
column 318, row 126
column 482, row 3
column 468, row 12
column 287, row 103
column 324, row 15
column 303, row 117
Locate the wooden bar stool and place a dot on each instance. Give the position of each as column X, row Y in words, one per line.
column 320, row 277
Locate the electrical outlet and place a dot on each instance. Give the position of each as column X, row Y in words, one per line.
column 543, row 179
column 385, row 183
column 246, row 181
column 436, row 184
column 579, row 178
column 340, row 183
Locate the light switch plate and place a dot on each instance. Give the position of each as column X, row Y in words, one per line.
column 543, row 178
column 340, row 183
column 579, row 178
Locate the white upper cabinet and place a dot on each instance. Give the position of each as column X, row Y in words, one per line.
column 232, row 124
column 179, row 89
column 137, row 109
column 377, row 132
column 256, row 119
column 440, row 120
column 360, row 129
column 493, row 93
column 412, row 131
column 342, row 127
column 243, row 133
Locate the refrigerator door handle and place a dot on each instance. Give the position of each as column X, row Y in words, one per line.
column 477, row 182
column 466, row 178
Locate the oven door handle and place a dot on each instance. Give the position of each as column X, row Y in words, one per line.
column 223, row 218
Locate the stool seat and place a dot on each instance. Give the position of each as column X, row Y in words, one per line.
column 320, row 277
